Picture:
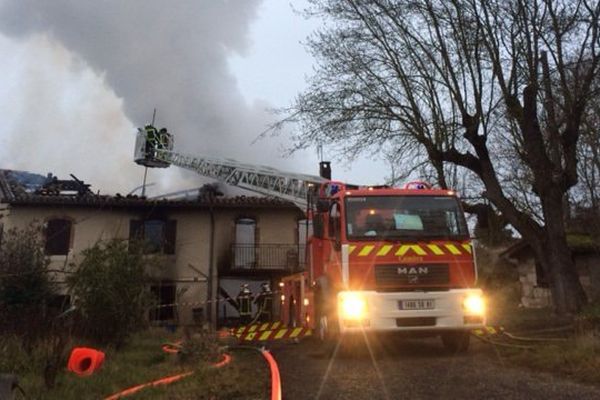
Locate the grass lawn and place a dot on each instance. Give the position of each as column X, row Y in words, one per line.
column 142, row 360
column 577, row 357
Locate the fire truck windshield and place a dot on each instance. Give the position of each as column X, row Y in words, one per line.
column 390, row 217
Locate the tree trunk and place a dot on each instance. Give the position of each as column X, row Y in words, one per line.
column 556, row 259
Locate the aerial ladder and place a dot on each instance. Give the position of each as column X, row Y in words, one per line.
column 154, row 149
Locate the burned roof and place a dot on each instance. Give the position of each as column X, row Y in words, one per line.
column 14, row 192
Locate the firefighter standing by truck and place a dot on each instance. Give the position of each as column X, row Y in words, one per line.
column 264, row 302
column 244, row 300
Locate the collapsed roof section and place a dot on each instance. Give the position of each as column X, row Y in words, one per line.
column 22, row 188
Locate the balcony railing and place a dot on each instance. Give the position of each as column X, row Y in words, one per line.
column 290, row 257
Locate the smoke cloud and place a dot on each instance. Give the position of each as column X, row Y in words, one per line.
column 90, row 72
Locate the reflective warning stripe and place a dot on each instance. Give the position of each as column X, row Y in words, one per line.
column 453, row 249
column 414, row 247
column 366, row 250
column 435, row 249
column 267, row 326
column 280, row 334
column 488, row 330
column 296, row 332
column 265, row 335
column 384, row 250
column 423, row 249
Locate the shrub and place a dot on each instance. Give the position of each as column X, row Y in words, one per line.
column 26, row 287
column 109, row 287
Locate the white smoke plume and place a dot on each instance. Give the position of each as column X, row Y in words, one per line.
column 91, row 71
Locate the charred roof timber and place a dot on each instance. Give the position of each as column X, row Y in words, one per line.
column 74, row 187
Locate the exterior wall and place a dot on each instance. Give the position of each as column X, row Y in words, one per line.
column 89, row 226
column 192, row 242
column 533, row 296
column 274, row 226
column 92, row 225
column 191, row 250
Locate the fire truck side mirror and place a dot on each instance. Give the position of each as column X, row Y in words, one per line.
column 335, row 229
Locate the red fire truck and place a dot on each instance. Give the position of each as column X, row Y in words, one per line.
column 387, row 260
column 380, row 259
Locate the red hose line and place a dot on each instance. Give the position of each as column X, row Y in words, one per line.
column 275, row 378
column 226, row 360
column 164, row 381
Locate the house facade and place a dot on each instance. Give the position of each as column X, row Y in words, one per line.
column 244, row 239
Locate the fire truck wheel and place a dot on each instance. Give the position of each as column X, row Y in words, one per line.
column 456, row 342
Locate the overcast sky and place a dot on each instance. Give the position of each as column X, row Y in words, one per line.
column 78, row 77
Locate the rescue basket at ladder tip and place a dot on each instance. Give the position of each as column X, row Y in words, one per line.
column 152, row 147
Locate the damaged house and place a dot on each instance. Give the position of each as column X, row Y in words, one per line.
column 246, row 239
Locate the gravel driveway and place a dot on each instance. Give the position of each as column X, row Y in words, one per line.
column 414, row 369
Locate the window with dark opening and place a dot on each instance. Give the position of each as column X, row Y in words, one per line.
column 156, row 235
column 58, row 237
column 245, row 243
column 164, row 293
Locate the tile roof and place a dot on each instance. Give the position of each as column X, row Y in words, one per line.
column 12, row 193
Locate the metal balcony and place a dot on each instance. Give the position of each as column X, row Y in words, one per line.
column 288, row 257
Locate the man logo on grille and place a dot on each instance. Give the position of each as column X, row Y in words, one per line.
column 413, row 270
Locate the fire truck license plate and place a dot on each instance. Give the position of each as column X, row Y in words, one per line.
column 428, row 304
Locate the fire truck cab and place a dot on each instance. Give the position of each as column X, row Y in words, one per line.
column 385, row 259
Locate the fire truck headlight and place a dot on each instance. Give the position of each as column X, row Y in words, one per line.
column 352, row 306
column 474, row 304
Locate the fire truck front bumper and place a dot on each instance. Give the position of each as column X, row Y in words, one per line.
column 455, row 309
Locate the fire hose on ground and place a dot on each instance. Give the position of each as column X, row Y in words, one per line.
column 484, row 336
column 165, row 380
column 175, row 348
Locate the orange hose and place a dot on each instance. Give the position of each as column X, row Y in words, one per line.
column 225, row 361
column 135, row 389
column 172, row 347
column 164, row 381
column 275, row 378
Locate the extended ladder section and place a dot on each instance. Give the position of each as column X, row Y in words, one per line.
column 259, row 179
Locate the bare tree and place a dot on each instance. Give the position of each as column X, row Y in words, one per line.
column 497, row 88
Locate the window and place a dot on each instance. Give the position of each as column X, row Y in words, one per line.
column 406, row 217
column 58, row 237
column 157, row 235
column 245, row 240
